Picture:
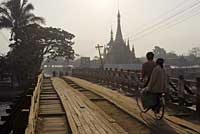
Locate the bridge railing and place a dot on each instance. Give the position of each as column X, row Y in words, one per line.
column 17, row 113
column 34, row 107
column 184, row 92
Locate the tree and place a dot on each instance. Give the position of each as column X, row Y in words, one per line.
column 172, row 55
column 31, row 41
column 195, row 51
column 159, row 52
column 182, row 61
column 46, row 40
column 2, row 66
column 16, row 14
column 28, row 50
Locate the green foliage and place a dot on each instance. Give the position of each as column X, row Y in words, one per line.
column 32, row 43
column 46, row 41
column 2, row 63
column 159, row 52
column 195, row 51
column 15, row 14
column 172, row 55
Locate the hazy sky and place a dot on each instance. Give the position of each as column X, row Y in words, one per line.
column 91, row 21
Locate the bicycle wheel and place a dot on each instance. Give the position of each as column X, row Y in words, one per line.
column 139, row 102
column 160, row 114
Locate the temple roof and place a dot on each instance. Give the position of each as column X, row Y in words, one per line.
column 119, row 36
column 111, row 39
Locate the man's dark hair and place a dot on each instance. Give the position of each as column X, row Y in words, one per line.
column 160, row 62
column 150, row 56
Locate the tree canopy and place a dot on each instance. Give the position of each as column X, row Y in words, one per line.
column 195, row 51
column 32, row 43
column 159, row 52
column 15, row 14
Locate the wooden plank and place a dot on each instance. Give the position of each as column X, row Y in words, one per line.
column 92, row 116
column 77, row 117
column 34, row 107
column 79, row 108
column 91, row 120
column 99, row 120
column 129, row 105
column 68, row 114
column 74, row 105
column 79, row 95
column 52, row 117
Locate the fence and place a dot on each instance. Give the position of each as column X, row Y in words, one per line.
column 181, row 91
column 34, row 107
column 17, row 118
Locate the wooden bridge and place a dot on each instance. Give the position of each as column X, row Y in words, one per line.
column 73, row 105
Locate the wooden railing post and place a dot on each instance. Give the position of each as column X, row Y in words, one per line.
column 105, row 76
column 34, row 107
column 128, row 79
column 120, row 80
column 198, row 97
column 110, row 77
column 181, row 84
column 112, row 80
column 92, row 75
column 96, row 75
column 115, row 78
column 100, row 75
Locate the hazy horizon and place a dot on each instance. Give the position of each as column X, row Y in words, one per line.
column 91, row 22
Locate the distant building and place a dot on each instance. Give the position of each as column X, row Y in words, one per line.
column 57, row 67
column 95, row 63
column 83, row 62
column 118, row 51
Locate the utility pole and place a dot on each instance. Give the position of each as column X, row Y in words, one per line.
column 101, row 60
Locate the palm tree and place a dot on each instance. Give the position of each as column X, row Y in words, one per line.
column 16, row 14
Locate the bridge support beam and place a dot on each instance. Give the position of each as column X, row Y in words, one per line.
column 198, row 97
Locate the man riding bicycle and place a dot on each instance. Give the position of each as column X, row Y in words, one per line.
column 147, row 68
column 158, row 83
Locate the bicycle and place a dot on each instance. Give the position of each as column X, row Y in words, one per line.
column 158, row 110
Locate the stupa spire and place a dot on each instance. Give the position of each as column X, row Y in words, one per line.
column 119, row 37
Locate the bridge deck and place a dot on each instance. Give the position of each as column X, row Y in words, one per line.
column 83, row 115
column 51, row 118
column 72, row 105
column 169, row 124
